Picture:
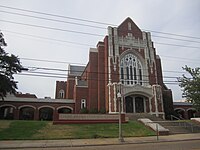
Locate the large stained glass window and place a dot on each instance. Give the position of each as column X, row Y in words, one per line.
column 131, row 70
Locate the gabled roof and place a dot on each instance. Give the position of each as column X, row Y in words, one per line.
column 128, row 19
column 75, row 70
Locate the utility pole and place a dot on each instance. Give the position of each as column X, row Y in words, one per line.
column 119, row 97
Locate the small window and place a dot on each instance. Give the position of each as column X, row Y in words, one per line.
column 130, row 34
column 61, row 94
column 83, row 103
column 129, row 26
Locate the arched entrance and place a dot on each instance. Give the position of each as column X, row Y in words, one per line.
column 180, row 112
column 64, row 110
column 191, row 113
column 135, row 104
column 46, row 113
column 26, row 113
column 7, row 112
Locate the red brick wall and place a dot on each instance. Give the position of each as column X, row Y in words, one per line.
column 101, row 75
column 123, row 29
column 106, row 73
column 159, row 72
column 60, row 85
column 37, row 105
column 93, row 80
column 80, row 93
column 70, row 87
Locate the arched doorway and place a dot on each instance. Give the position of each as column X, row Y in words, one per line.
column 64, row 110
column 7, row 112
column 46, row 113
column 26, row 113
column 191, row 113
column 135, row 104
column 180, row 112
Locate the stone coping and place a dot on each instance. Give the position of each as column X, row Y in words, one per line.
column 154, row 126
column 88, row 117
column 195, row 119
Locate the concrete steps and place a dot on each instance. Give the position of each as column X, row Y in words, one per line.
column 137, row 116
column 175, row 127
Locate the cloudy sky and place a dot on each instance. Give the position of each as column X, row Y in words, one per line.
column 47, row 43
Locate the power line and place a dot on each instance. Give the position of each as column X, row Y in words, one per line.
column 86, row 25
column 51, row 28
column 55, row 20
column 91, row 21
column 32, row 70
column 52, row 39
column 52, row 61
column 64, row 77
column 55, row 15
column 76, row 43
column 181, row 58
column 165, row 37
column 167, row 33
column 61, row 21
column 82, row 64
column 177, row 45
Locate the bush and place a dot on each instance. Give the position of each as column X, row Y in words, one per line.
column 102, row 111
column 84, row 111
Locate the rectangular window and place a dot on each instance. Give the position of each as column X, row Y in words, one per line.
column 130, row 34
column 140, row 76
column 83, row 103
column 135, row 75
column 129, row 26
column 127, row 74
column 131, row 74
column 122, row 75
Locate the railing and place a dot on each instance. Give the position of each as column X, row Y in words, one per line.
column 181, row 123
column 172, row 116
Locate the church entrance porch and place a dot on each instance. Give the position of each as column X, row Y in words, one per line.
column 135, row 104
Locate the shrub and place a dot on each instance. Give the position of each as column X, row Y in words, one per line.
column 102, row 111
column 84, row 111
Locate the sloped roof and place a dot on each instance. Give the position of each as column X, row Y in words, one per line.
column 76, row 70
column 182, row 104
column 27, row 95
column 128, row 19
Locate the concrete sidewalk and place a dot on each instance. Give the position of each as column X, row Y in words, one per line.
column 94, row 142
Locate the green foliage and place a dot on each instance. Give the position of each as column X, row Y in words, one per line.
column 102, row 111
column 191, row 86
column 84, row 111
column 46, row 130
column 9, row 65
column 21, row 129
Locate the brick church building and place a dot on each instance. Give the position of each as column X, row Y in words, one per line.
column 124, row 62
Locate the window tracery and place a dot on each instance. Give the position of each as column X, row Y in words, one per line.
column 131, row 70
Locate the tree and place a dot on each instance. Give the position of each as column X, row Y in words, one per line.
column 9, row 65
column 191, row 86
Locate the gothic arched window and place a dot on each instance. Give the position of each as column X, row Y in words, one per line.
column 131, row 70
column 61, row 94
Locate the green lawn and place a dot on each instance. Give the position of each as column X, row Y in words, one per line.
column 15, row 130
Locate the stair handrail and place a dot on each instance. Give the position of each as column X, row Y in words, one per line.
column 172, row 116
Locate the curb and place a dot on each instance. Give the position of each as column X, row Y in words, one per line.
column 104, row 144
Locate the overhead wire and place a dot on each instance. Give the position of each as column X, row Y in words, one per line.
column 91, row 21
column 51, row 28
column 83, row 44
